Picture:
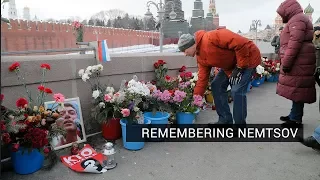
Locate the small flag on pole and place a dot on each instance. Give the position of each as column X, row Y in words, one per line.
column 103, row 53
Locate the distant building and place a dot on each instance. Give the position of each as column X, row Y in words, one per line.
column 309, row 11
column 270, row 31
column 174, row 28
column 12, row 13
column 26, row 13
column 199, row 22
column 317, row 23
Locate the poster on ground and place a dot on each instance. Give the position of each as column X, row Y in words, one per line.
column 87, row 160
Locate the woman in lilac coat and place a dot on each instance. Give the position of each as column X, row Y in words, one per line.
column 298, row 60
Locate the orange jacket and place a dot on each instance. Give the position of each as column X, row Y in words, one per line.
column 223, row 49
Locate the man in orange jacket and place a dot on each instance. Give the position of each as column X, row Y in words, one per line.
column 236, row 56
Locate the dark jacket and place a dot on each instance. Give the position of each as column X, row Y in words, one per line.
column 297, row 52
column 276, row 43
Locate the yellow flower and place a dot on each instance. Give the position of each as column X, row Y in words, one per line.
column 41, row 109
column 31, row 118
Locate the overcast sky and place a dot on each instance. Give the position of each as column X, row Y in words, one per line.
column 235, row 14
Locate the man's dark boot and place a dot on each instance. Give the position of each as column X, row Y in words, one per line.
column 284, row 118
column 311, row 142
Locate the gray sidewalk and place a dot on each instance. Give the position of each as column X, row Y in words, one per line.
column 213, row 160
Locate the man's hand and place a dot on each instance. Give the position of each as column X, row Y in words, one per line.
column 286, row 69
column 236, row 76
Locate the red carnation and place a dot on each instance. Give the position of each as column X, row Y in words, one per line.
column 21, row 103
column 182, row 74
column 41, row 88
column 182, row 69
column 156, row 65
column 14, row 66
column 48, row 90
column 15, row 147
column 171, row 92
column 45, row 66
column 188, row 74
column 168, row 78
column 2, row 126
column 1, row 97
column 6, row 138
column 46, row 150
column 161, row 62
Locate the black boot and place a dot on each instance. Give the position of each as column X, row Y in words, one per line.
column 284, row 118
column 311, row 142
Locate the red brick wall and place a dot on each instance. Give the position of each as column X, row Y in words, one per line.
column 30, row 35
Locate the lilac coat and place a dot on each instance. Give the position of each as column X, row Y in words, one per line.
column 298, row 53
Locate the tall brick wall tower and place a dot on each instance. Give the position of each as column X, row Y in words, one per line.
column 213, row 10
column 12, row 13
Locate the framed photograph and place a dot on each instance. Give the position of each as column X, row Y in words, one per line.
column 71, row 120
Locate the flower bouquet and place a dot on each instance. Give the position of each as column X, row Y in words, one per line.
column 78, row 30
column 104, row 100
column 131, row 103
column 164, row 81
column 132, row 95
column 31, row 127
column 258, row 76
column 273, row 69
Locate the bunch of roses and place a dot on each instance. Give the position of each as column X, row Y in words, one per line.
column 159, row 63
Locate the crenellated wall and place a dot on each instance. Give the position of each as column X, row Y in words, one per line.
column 21, row 35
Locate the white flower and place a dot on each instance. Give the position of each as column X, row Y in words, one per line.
column 277, row 69
column 81, row 72
column 89, row 70
column 195, row 76
column 109, row 90
column 85, row 77
column 136, row 109
column 95, row 94
column 179, row 78
column 193, row 84
column 260, row 69
column 102, row 105
column 100, row 67
column 94, row 69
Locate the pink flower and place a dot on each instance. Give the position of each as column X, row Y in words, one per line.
column 197, row 100
column 107, row 98
column 179, row 96
column 157, row 94
column 125, row 112
column 58, row 97
column 165, row 96
column 43, row 122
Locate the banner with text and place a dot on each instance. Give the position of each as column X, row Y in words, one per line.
column 214, row 133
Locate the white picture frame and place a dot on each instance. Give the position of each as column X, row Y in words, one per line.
column 74, row 106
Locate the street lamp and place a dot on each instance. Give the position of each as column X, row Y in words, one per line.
column 161, row 11
column 255, row 24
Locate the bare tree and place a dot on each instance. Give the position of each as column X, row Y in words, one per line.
column 114, row 13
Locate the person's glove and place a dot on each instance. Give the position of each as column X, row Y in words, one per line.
column 236, row 76
column 286, row 69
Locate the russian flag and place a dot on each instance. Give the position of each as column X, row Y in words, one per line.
column 103, row 53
